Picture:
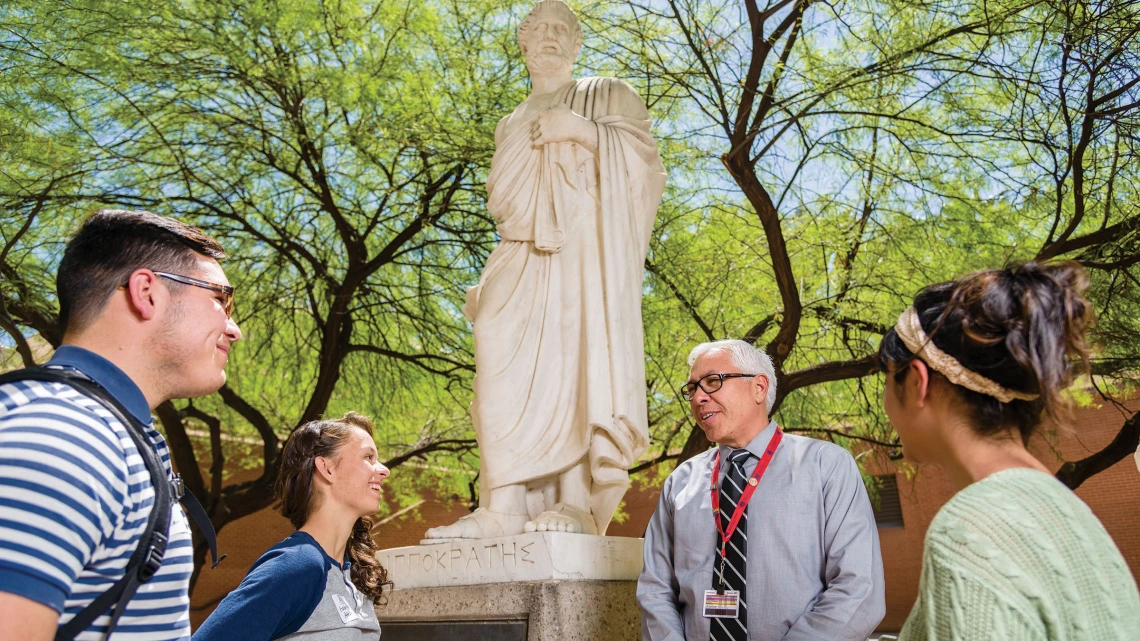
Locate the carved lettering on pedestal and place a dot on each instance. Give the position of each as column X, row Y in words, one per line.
column 462, row 558
column 473, row 558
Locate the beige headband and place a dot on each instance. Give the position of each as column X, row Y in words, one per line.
column 910, row 331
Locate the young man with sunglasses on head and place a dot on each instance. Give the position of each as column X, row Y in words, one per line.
column 767, row 537
column 145, row 314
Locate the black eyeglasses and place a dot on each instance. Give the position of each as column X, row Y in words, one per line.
column 709, row 383
column 226, row 290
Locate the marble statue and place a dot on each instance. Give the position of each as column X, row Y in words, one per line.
column 559, row 406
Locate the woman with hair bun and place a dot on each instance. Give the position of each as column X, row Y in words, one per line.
column 322, row 581
column 973, row 369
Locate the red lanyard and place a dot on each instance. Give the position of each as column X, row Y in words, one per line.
column 746, row 496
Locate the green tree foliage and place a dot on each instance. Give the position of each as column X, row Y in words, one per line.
column 826, row 160
column 337, row 149
column 845, row 154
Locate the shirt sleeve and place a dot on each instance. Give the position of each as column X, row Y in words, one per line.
column 853, row 602
column 657, row 587
column 275, row 599
column 63, row 486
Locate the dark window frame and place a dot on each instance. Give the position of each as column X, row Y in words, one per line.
column 888, row 509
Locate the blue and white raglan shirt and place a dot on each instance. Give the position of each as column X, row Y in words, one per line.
column 294, row 591
column 74, row 500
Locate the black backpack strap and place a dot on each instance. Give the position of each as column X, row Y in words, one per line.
column 147, row 557
column 198, row 514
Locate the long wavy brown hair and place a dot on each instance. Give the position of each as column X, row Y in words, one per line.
column 295, row 491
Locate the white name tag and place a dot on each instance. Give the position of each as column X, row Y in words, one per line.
column 722, row 606
column 346, row 612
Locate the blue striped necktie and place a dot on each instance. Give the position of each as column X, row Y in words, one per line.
column 736, row 551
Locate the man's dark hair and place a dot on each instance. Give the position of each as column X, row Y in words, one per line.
column 110, row 246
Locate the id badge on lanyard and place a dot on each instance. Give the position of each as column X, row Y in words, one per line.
column 721, row 603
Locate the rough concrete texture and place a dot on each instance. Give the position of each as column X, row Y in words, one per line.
column 555, row 610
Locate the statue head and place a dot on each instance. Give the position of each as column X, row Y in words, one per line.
column 550, row 38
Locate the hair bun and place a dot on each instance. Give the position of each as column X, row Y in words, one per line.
column 1042, row 311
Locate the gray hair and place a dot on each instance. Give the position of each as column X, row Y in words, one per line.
column 747, row 357
column 560, row 10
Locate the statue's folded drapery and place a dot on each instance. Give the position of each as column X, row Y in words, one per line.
column 559, row 348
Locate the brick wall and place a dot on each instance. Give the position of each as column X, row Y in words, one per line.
column 1113, row 495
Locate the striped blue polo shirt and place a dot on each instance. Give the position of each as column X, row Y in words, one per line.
column 74, row 500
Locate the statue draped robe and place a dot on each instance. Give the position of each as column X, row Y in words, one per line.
column 559, row 355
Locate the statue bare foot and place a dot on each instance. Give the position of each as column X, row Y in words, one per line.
column 563, row 518
column 480, row 524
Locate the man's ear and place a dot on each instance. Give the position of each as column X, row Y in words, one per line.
column 760, row 385
column 324, row 468
column 144, row 295
column 919, row 382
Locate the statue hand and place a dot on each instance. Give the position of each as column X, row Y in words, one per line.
column 560, row 124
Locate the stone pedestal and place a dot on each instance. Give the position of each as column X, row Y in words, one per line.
column 530, row 587
column 538, row 556
column 530, row 611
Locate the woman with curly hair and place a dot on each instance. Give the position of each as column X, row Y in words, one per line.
column 323, row 580
column 973, row 369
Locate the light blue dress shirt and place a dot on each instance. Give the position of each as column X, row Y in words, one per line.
column 815, row 571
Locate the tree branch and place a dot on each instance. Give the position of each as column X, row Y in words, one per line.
column 419, row 360
column 757, row 331
column 421, row 450
column 181, row 450
column 685, row 302
column 824, row 373
column 259, row 423
column 22, row 347
column 217, row 458
column 1099, row 237
column 1073, row 474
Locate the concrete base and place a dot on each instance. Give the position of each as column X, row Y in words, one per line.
column 534, row 611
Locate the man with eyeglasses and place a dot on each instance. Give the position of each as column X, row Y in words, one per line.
column 145, row 314
column 768, row 536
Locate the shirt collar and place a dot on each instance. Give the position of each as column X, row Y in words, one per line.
column 108, row 376
column 756, row 446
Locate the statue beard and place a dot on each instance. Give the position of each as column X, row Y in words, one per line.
column 548, row 64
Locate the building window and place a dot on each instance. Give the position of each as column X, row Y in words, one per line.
column 888, row 509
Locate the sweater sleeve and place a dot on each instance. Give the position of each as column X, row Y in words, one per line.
column 275, row 599
column 960, row 601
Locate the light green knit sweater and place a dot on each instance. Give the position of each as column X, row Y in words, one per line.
column 1018, row 556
